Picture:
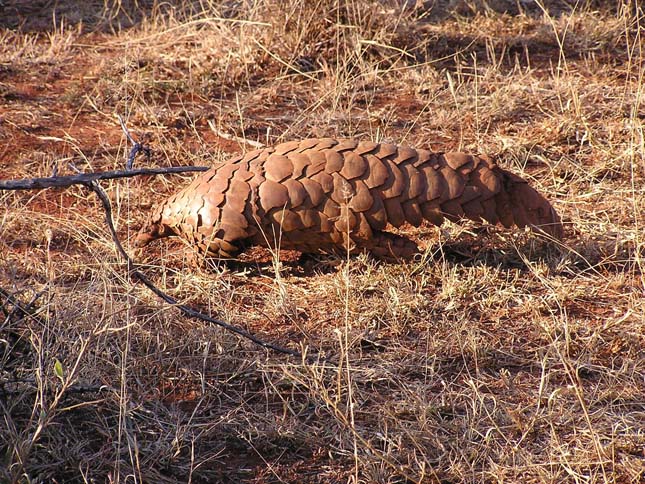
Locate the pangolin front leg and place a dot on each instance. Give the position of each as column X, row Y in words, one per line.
column 342, row 195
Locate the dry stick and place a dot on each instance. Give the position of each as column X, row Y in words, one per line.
column 87, row 178
column 187, row 310
column 90, row 180
column 231, row 137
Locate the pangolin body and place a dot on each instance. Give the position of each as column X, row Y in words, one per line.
column 336, row 195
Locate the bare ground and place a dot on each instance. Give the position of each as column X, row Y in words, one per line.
column 492, row 357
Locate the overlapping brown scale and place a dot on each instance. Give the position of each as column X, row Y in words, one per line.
column 314, row 190
column 226, row 171
column 247, row 158
column 396, row 183
column 284, row 148
column 417, row 183
column 194, row 205
column 354, row 165
column 485, row 180
column 325, row 180
column 272, row 194
column 297, row 193
column 455, row 182
column 342, row 191
column 310, row 218
column 345, row 144
column 238, row 195
column 277, row 168
column 324, row 143
column 362, row 199
column 337, row 238
column 224, row 248
column 432, row 212
column 256, row 164
column 377, row 173
column 244, row 174
column 363, row 229
column 452, row 210
column 307, row 144
column 208, row 216
column 394, row 211
column 412, row 212
column 257, row 180
column 335, row 161
column 233, row 224
column 326, row 223
column 191, row 218
column 300, row 161
column 365, row 147
column 187, row 231
column 469, row 194
column 330, row 208
column 317, row 160
column 376, row 214
column 332, row 194
column 458, row 160
column 473, row 209
column 385, row 150
column 206, row 231
column 287, row 220
column 426, row 157
column 346, row 221
column 437, row 185
column 218, row 183
column 405, row 155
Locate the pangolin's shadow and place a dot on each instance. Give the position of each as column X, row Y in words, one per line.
column 467, row 251
column 259, row 261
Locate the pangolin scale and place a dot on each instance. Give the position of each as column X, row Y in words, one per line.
column 335, row 195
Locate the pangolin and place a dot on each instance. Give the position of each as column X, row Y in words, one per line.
column 335, row 195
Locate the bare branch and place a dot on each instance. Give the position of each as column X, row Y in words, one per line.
column 187, row 310
column 90, row 180
column 87, row 178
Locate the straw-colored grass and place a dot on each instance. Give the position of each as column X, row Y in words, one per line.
column 492, row 357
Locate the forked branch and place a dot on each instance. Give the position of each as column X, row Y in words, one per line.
column 90, row 180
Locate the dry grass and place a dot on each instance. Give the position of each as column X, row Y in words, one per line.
column 491, row 358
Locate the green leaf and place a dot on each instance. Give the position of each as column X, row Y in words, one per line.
column 58, row 369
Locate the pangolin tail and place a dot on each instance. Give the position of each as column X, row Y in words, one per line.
column 522, row 205
column 474, row 187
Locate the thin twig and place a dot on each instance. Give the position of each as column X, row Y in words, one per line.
column 125, row 130
column 231, row 137
column 136, row 146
